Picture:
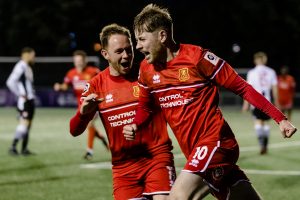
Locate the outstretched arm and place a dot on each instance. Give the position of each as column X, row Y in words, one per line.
column 247, row 92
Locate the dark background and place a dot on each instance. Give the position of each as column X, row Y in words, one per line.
column 58, row 27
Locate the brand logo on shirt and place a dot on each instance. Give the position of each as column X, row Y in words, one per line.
column 184, row 74
column 136, row 91
column 109, row 98
column 212, row 58
column 156, row 78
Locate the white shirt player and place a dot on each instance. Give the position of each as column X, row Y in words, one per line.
column 20, row 81
column 262, row 78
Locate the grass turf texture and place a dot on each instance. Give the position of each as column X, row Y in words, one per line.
column 55, row 172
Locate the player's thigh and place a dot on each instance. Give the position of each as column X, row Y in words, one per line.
column 188, row 186
column 159, row 179
column 124, row 190
column 243, row 190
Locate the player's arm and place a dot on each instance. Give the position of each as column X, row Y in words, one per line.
column 13, row 79
column 221, row 73
column 143, row 112
column 60, row 86
column 84, row 115
column 229, row 79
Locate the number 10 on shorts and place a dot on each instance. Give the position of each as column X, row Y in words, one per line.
column 201, row 152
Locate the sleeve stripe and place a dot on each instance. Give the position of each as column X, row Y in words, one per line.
column 218, row 70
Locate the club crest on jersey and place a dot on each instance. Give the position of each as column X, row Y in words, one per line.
column 184, row 74
column 212, row 58
column 136, row 91
column 109, row 98
column 156, row 78
column 86, row 88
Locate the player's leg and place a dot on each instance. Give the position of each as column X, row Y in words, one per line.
column 159, row 177
column 126, row 187
column 90, row 141
column 189, row 186
column 28, row 114
column 243, row 190
column 98, row 133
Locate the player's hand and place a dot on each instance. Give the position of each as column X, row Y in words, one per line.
column 56, row 87
column 287, row 129
column 90, row 104
column 129, row 131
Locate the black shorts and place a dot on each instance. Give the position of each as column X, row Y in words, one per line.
column 260, row 115
column 27, row 109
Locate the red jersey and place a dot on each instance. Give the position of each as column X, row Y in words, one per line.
column 118, row 109
column 187, row 91
column 78, row 80
column 286, row 89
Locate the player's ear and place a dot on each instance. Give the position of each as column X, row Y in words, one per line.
column 162, row 34
column 104, row 53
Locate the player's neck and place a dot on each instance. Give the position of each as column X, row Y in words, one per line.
column 172, row 50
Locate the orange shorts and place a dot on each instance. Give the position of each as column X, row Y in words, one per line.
column 215, row 162
column 145, row 177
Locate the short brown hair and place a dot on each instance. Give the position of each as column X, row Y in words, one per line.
column 110, row 30
column 80, row 53
column 260, row 54
column 153, row 17
column 27, row 50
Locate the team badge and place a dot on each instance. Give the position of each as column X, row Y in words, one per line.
column 184, row 74
column 136, row 91
column 86, row 88
column 212, row 58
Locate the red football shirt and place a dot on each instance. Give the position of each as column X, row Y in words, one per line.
column 286, row 89
column 118, row 109
column 78, row 80
column 187, row 91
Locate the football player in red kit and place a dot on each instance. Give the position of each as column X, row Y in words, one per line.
column 143, row 167
column 77, row 78
column 183, row 80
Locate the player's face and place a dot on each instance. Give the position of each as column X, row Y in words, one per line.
column 79, row 62
column 30, row 57
column 119, row 54
column 151, row 45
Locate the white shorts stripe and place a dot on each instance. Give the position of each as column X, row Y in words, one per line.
column 210, row 156
column 118, row 108
column 156, row 193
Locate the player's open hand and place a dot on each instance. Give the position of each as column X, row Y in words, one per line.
column 287, row 129
column 90, row 104
column 129, row 131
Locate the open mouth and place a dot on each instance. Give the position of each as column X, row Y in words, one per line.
column 126, row 65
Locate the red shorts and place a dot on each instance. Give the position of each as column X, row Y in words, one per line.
column 215, row 162
column 145, row 177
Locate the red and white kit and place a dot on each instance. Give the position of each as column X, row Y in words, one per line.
column 140, row 167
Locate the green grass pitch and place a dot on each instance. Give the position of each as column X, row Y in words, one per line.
column 55, row 173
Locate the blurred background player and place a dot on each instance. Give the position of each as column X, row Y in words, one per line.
column 143, row 167
column 77, row 78
column 286, row 91
column 264, row 80
column 20, row 82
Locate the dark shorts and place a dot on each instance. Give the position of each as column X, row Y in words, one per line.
column 260, row 115
column 26, row 109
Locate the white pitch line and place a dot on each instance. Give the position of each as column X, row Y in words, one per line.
column 272, row 172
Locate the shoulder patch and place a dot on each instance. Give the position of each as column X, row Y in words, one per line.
column 212, row 58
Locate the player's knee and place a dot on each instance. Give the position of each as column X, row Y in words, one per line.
column 160, row 197
column 178, row 195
